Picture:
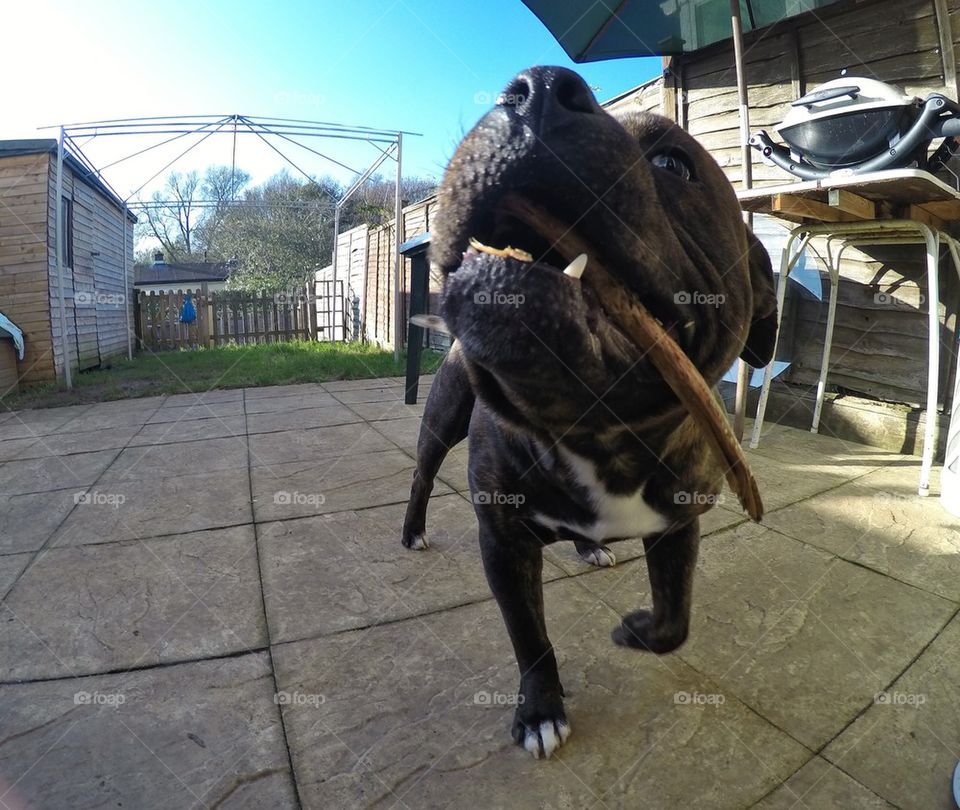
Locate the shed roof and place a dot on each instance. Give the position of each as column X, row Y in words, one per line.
column 39, row 146
column 180, row 272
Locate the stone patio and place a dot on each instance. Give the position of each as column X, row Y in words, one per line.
column 207, row 605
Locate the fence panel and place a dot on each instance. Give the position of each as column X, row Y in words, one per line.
column 222, row 318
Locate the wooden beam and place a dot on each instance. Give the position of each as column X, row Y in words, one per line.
column 921, row 214
column 947, row 57
column 807, row 208
column 852, row 204
column 944, row 209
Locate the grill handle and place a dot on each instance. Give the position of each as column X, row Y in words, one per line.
column 826, row 95
column 925, row 128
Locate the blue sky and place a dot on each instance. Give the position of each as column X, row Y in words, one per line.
column 430, row 66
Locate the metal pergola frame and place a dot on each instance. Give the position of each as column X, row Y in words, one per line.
column 388, row 143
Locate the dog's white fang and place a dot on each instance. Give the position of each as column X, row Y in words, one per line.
column 577, row 266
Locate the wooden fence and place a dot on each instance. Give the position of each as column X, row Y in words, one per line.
column 223, row 318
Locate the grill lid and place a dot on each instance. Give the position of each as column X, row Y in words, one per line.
column 845, row 95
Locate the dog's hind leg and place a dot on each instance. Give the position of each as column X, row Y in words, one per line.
column 446, row 419
column 514, row 569
column 671, row 558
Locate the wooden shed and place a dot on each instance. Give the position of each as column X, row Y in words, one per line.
column 97, row 266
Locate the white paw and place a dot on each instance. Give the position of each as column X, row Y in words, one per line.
column 419, row 542
column 547, row 739
column 600, row 556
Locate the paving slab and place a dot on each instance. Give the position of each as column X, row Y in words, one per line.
column 130, row 509
column 204, row 734
column 355, row 385
column 291, row 402
column 190, row 430
column 879, row 521
column 300, row 419
column 907, row 743
column 49, row 472
column 312, row 444
column 12, row 448
column 29, row 424
column 294, row 389
column 337, row 484
column 67, row 442
column 387, row 410
column 432, row 728
column 29, row 520
column 10, row 567
column 204, row 397
column 804, row 638
column 206, row 410
column 178, row 458
column 87, row 609
column 819, row 785
column 330, row 573
column 382, row 393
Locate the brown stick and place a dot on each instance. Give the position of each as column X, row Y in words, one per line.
column 667, row 357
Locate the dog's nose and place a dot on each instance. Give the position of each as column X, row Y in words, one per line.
column 544, row 97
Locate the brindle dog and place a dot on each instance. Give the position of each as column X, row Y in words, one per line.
column 573, row 434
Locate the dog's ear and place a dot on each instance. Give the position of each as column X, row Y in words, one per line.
column 758, row 350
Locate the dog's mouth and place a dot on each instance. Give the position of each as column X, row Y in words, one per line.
column 518, row 237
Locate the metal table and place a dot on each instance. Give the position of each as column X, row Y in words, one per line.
column 900, row 206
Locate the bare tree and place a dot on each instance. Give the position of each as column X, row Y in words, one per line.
column 172, row 214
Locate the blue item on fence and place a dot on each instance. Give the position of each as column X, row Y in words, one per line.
column 188, row 313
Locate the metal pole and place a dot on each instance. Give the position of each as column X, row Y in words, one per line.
column 59, row 248
column 127, row 286
column 743, row 371
column 398, row 259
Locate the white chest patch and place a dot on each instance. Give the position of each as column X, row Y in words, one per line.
column 617, row 515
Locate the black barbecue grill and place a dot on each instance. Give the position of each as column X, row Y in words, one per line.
column 856, row 125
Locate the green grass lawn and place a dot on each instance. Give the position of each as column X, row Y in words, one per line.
column 226, row 367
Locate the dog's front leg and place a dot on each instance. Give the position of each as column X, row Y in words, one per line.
column 671, row 558
column 514, row 569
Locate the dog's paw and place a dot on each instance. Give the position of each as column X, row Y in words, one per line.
column 637, row 630
column 416, row 542
column 600, row 556
column 543, row 738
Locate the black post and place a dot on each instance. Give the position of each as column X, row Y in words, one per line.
column 416, row 250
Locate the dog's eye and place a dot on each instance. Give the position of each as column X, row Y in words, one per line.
column 672, row 163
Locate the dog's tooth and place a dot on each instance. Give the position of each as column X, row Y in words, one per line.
column 434, row 322
column 577, row 266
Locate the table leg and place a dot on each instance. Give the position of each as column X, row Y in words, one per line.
column 787, row 261
column 933, row 361
column 833, row 268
